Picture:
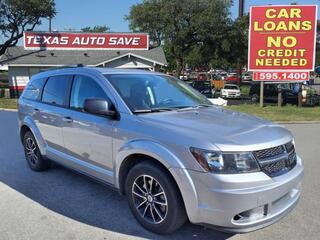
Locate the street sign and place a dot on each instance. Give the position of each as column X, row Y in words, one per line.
column 282, row 39
column 81, row 41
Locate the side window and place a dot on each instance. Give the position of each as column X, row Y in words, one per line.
column 34, row 88
column 84, row 88
column 56, row 90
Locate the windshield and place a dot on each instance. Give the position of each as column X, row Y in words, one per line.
column 147, row 92
column 202, row 84
column 230, row 87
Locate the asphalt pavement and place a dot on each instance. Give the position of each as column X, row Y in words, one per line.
column 61, row 204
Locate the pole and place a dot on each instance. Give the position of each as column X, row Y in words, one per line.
column 239, row 65
column 261, row 93
column 49, row 24
column 241, row 7
column 300, row 96
column 279, row 96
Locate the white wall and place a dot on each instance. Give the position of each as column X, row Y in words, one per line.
column 19, row 76
column 131, row 62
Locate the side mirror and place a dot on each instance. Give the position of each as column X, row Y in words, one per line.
column 99, row 107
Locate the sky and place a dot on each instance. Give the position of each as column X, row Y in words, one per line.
column 72, row 15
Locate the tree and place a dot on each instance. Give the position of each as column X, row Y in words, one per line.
column 17, row 16
column 183, row 26
column 98, row 29
column 148, row 17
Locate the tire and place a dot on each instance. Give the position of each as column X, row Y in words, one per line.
column 161, row 218
column 32, row 153
column 254, row 98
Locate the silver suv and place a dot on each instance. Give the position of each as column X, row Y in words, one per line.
column 162, row 144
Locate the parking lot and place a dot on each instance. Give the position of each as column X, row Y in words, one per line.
column 60, row 204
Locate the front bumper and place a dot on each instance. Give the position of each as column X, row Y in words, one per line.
column 242, row 202
column 231, row 95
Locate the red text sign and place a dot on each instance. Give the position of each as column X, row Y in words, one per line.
column 282, row 38
column 96, row 41
column 280, row 76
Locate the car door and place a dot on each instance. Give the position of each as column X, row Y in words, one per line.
column 88, row 137
column 50, row 112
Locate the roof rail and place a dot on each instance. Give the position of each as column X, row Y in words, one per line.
column 63, row 67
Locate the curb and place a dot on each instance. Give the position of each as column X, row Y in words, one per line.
column 298, row 122
column 8, row 109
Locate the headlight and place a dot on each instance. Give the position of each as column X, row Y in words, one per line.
column 218, row 162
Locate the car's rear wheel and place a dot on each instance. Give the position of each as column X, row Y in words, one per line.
column 154, row 198
column 32, row 153
column 254, row 98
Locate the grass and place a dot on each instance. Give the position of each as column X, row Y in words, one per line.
column 8, row 103
column 284, row 114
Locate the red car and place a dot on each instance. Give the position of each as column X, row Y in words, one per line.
column 232, row 78
column 202, row 77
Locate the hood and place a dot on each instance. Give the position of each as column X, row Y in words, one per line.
column 227, row 130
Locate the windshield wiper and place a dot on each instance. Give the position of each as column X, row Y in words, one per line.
column 151, row 110
column 186, row 108
column 205, row 105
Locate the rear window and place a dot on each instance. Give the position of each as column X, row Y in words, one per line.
column 34, row 89
column 56, row 90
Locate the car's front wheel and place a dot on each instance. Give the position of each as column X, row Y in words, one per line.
column 32, row 153
column 154, row 198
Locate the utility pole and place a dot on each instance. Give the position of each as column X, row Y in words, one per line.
column 241, row 10
column 50, row 18
column 241, row 7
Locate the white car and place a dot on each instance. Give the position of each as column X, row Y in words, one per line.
column 230, row 91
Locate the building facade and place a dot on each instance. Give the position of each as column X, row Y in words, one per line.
column 23, row 64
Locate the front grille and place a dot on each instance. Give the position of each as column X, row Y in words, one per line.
column 277, row 160
column 269, row 152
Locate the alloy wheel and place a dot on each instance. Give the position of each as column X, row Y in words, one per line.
column 31, row 151
column 150, row 199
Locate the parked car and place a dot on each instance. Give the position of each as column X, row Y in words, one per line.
column 232, row 78
column 230, row 91
column 202, row 77
column 204, row 87
column 184, row 77
column 222, row 75
column 270, row 93
column 173, row 154
column 246, row 77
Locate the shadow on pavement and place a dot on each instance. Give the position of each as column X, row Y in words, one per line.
column 73, row 195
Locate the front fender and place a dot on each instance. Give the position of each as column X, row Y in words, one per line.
column 149, row 148
column 29, row 122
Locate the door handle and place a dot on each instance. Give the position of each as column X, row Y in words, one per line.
column 67, row 119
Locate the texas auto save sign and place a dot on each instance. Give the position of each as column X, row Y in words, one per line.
column 282, row 42
column 94, row 41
